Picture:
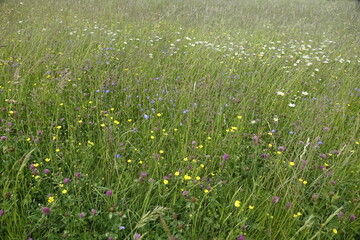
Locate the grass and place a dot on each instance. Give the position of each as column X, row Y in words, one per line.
column 179, row 120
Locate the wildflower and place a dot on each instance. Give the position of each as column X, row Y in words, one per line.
column 82, row 215
column 66, row 180
column 304, row 93
column 275, row 199
column 341, row 215
column 291, row 163
column 291, row 105
column 280, row 93
column 64, row 191
column 237, row 203
column 241, row 237
column 251, row 207
column 121, row 227
column 137, row 236
column 51, row 199
column 108, row 193
column 185, row 193
column 166, row 181
column 46, row 171
column 239, row 117
column 352, row 218
column 45, row 210
column 187, row 177
column 282, row 148
column 3, row 138
column 93, row 212
column 78, row 174
column 225, row 157
column 334, row 231
column 2, row 212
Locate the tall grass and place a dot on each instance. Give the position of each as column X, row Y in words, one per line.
column 179, row 119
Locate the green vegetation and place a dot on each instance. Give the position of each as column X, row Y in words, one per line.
column 154, row 119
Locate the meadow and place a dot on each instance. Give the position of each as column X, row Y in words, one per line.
column 189, row 120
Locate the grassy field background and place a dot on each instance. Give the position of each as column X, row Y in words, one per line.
column 185, row 120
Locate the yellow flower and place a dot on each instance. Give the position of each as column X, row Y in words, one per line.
column 57, row 150
column 64, row 191
column 47, row 159
column 206, row 191
column 166, row 181
column 58, row 127
column 161, row 151
column 197, row 178
column 251, row 207
column 335, row 231
column 237, row 203
column 51, row 199
column 177, row 173
column 152, row 137
column 187, row 177
column 116, row 122
column 239, row 117
column 291, row 163
column 159, row 114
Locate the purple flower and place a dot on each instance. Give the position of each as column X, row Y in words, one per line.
column 108, row 193
column 45, row 210
column 93, row 212
column 323, row 156
column 82, row 215
column 282, row 148
column 46, row 171
column 143, row 174
column 3, row 138
column 185, row 193
column 288, row 205
column 241, row 237
column 32, row 167
column 352, row 218
column 137, row 236
column 66, row 180
column 2, row 212
column 78, row 174
column 225, row 157
column 341, row 215
column 275, row 199
column 121, row 227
